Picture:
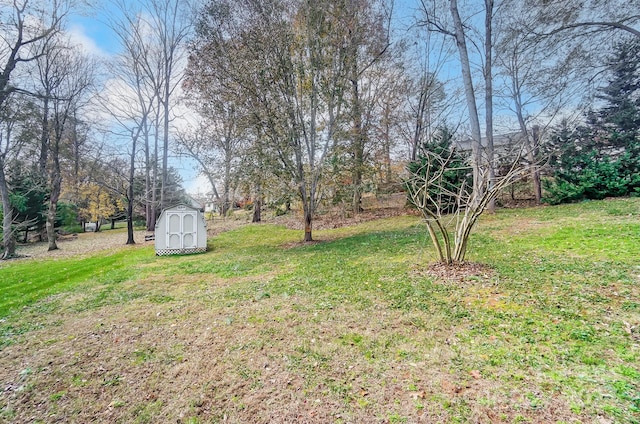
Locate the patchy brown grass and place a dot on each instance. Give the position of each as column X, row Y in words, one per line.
column 267, row 361
column 194, row 357
column 190, row 346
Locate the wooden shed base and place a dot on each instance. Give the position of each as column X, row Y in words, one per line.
column 166, row 252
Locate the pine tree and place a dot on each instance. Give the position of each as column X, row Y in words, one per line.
column 602, row 158
column 622, row 93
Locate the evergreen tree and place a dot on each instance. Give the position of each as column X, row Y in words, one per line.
column 602, row 158
column 622, row 94
column 432, row 156
column 28, row 199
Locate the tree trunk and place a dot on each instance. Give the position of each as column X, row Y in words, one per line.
column 488, row 97
column 44, row 137
column 419, row 123
column 56, row 181
column 132, row 168
column 257, row 205
column 130, row 239
column 531, row 144
column 257, row 210
column 535, row 170
column 226, row 199
column 308, row 225
column 8, row 242
column 386, row 139
column 76, row 155
column 307, row 209
column 151, row 225
column 165, row 137
column 147, row 181
column 358, row 135
column 476, row 135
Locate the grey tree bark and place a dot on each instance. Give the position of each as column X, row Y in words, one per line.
column 469, row 91
column 488, row 96
column 8, row 239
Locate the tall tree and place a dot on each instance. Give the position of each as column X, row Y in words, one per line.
column 67, row 78
column 485, row 186
column 458, row 30
column 156, row 31
column 24, row 23
column 287, row 60
column 132, row 105
column 366, row 27
column 537, row 90
column 489, row 12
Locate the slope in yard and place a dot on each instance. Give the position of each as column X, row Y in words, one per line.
column 355, row 328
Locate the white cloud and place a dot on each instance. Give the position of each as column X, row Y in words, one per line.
column 197, row 186
column 78, row 36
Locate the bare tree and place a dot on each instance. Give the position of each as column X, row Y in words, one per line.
column 471, row 202
column 133, row 105
column 157, row 30
column 537, row 90
column 170, row 25
column 463, row 207
column 67, row 75
column 24, row 23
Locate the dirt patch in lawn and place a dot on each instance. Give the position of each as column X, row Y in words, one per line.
column 80, row 244
column 458, row 273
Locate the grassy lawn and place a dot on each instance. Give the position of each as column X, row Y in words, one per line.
column 351, row 329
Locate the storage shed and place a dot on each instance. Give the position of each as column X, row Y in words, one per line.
column 180, row 229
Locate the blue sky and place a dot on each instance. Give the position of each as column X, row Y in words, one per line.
column 91, row 22
column 89, row 28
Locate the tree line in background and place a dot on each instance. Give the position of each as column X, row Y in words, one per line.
column 317, row 103
column 83, row 138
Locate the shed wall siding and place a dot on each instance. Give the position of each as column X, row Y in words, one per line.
column 179, row 230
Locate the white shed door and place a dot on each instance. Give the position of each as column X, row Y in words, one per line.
column 181, row 230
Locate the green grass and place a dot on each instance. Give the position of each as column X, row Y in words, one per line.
column 25, row 282
column 354, row 323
